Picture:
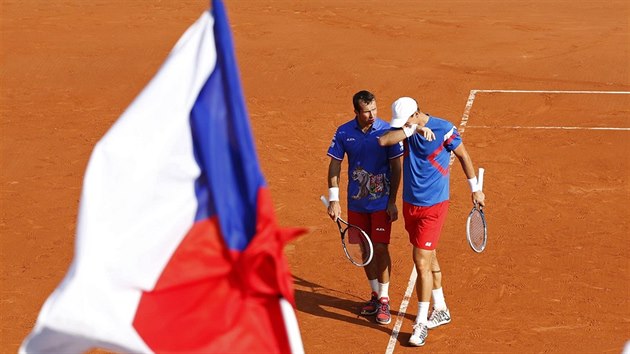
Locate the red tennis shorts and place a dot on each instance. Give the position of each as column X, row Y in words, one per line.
column 376, row 225
column 424, row 223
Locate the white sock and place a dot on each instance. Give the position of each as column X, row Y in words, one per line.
column 438, row 299
column 423, row 313
column 374, row 285
column 383, row 290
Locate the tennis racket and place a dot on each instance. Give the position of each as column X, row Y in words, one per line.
column 476, row 227
column 355, row 242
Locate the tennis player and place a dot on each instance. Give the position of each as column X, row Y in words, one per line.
column 373, row 179
column 425, row 200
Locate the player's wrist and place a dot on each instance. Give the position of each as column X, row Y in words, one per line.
column 410, row 130
column 333, row 194
column 474, row 185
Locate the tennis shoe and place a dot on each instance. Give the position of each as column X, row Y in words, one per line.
column 419, row 334
column 383, row 316
column 438, row 318
column 371, row 307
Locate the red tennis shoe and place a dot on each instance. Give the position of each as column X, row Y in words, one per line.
column 382, row 315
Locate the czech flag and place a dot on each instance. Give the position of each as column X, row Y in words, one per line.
column 177, row 246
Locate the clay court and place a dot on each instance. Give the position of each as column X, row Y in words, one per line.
column 540, row 90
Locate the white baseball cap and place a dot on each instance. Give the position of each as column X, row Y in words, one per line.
column 402, row 109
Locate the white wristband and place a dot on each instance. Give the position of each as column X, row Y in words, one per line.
column 409, row 131
column 474, row 186
column 333, row 194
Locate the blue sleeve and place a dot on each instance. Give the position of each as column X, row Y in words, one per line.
column 336, row 149
column 395, row 150
column 453, row 140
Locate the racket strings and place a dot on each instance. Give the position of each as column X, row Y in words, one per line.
column 477, row 231
column 357, row 246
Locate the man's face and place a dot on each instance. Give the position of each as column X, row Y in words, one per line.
column 367, row 113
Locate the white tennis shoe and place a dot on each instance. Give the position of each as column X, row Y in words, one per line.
column 438, row 318
column 419, row 334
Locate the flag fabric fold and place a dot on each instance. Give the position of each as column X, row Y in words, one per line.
column 177, row 246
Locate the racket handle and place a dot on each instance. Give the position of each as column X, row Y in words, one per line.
column 325, row 201
column 480, row 178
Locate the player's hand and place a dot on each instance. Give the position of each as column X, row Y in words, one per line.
column 478, row 198
column 392, row 212
column 426, row 133
column 334, row 210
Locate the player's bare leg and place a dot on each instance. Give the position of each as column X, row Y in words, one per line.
column 436, row 271
column 383, row 262
column 422, row 259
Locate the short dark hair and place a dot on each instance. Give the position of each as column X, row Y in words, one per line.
column 362, row 96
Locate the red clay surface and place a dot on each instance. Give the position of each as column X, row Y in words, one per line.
column 555, row 277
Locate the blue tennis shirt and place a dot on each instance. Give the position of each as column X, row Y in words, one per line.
column 368, row 164
column 426, row 166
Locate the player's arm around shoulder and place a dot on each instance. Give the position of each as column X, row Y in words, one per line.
column 391, row 137
column 395, row 136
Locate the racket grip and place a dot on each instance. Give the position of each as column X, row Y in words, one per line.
column 324, row 200
column 480, row 178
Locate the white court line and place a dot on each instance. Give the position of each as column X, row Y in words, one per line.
column 469, row 103
column 471, row 99
column 401, row 312
column 557, row 128
column 559, row 92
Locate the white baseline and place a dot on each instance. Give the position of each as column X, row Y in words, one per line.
column 543, row 127
column 555, row 91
